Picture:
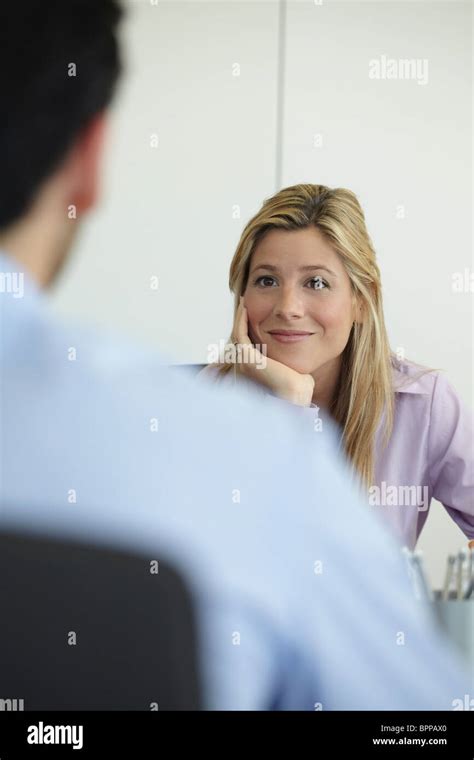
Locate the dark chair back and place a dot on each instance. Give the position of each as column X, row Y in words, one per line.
column 91, row 628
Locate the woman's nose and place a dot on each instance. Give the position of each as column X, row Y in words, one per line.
column 289, row 304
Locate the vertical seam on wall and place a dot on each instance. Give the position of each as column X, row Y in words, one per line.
column 281, row 50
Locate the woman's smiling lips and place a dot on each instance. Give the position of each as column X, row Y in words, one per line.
column 289, row 336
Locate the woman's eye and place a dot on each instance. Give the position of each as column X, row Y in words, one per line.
column 265, row 281
column 317, row 283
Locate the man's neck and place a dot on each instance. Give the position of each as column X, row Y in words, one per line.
column 39, row 250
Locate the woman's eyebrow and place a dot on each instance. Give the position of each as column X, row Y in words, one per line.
column 272, row 268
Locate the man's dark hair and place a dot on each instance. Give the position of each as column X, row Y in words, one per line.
column 43, row 105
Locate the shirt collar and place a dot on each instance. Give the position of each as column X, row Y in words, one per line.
column 409, row 378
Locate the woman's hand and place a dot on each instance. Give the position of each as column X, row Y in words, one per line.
column 281, row 380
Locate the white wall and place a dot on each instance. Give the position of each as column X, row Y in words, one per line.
column 404, row 148
column 169, row 211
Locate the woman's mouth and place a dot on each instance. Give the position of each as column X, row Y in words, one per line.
column 289, row 336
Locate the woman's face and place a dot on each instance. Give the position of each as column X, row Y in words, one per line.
column 299, row 299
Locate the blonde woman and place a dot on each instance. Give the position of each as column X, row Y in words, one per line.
column 309, row 328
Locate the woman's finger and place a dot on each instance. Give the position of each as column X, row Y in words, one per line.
column 242, row 324
column 235, row 326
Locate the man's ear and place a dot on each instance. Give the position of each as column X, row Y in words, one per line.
column 82, row 167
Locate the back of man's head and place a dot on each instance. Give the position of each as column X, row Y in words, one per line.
column 59, row 63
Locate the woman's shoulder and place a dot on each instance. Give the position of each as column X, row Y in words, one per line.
column 209, row 372
column 410, row 377
column 216, row 373
column 226, row 376
column 410, row 380
column 424, row 400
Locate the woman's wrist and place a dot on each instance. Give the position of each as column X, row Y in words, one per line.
column 297, row 396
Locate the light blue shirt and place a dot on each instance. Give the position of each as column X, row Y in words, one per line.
column 102, row 442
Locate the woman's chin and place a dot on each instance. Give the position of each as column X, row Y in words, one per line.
column 301, row 366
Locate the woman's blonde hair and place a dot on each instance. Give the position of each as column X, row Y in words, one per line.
column 365, row 390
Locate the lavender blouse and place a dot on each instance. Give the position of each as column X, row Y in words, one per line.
column 429, row 455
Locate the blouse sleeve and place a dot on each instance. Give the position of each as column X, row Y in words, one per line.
column 451, row 455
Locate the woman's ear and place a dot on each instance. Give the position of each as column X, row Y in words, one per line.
column 358, row 311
